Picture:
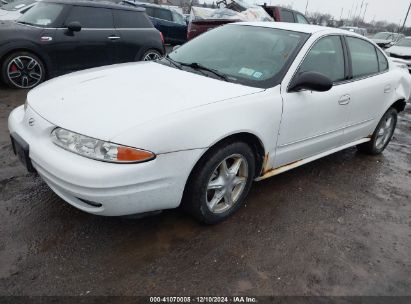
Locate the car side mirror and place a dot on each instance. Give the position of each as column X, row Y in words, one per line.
column 74, row 26
column 312, row 81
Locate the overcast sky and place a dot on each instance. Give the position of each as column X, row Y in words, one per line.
column 389, row 10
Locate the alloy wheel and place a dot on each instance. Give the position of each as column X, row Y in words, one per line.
column 385, row 132
column 227, row 183
column 24, row 72
column 151, row 56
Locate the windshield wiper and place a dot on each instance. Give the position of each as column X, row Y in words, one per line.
column 23, row 22
column 175, row 63
column 197, row 66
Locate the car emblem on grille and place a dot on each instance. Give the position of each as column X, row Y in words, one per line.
column 31, row 121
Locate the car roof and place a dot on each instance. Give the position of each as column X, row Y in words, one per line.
column 101, row 4
column 296, row 27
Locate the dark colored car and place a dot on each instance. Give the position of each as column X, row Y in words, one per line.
column 169, row 22
column 60, row 36
column 281, row 14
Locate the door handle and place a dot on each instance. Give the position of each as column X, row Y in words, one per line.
column 387, row 88
column 344, row 100
column 113, row 38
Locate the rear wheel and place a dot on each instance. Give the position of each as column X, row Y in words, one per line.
column 220, row 183
column 382, row 134
column 23, row 70
column 151, row 55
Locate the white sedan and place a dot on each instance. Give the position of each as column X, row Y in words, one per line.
column 238, row 104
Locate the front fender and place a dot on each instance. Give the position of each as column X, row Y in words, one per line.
column 258, row 114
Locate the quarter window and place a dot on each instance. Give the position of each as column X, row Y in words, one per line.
column 363, row 56
column 91, row 17
column 326, row 57
column 382, row 61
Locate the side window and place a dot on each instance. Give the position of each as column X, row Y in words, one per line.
column 382, row 61
column 301, row 19
column 326, row 57
column 363, row 57
column 149, row 11
column 163, row 14
column 91, row 17
column 130, row 19
column 287, row 16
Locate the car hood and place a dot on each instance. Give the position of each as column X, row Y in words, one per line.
column 104, row 102
column 3, row 12
column 399, row 50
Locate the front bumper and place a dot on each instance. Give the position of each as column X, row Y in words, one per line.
column 99, row 187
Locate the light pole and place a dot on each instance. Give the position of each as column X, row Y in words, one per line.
column 363, row 17
column 406, row 17
column 306, row 8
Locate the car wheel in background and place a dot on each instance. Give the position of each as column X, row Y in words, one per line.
column 151, row 55
column 23, row 70
column 382, row 134
column 220, row 182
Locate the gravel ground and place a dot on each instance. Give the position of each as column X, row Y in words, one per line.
column 337, row 226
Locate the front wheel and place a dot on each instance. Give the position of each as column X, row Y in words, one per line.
column 23, row 70
column 220, row 183
column 382, row 134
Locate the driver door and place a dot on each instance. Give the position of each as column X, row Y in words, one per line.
column 314, row 122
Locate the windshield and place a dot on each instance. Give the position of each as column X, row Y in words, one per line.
column 17, row 5
column 249, row 55
column 404, row 42
column 43, row 14
column 383, row 36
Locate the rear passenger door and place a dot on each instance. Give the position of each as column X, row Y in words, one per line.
column 93, row 46
column 371, row 88
column 135, row 31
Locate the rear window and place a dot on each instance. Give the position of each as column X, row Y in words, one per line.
column 129, row 19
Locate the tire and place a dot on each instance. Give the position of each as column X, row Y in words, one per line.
column 212, row 185
column 28, row 70
column 382, row 134
column 151, row 55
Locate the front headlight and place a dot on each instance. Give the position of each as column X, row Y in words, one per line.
column 98, row 149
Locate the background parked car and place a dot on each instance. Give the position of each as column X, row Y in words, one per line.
column 13, row 10
column 401, row 52
column 32, row 50
column 354, row 29
column 169, row 22
column 387, row 39
column 281, row 14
